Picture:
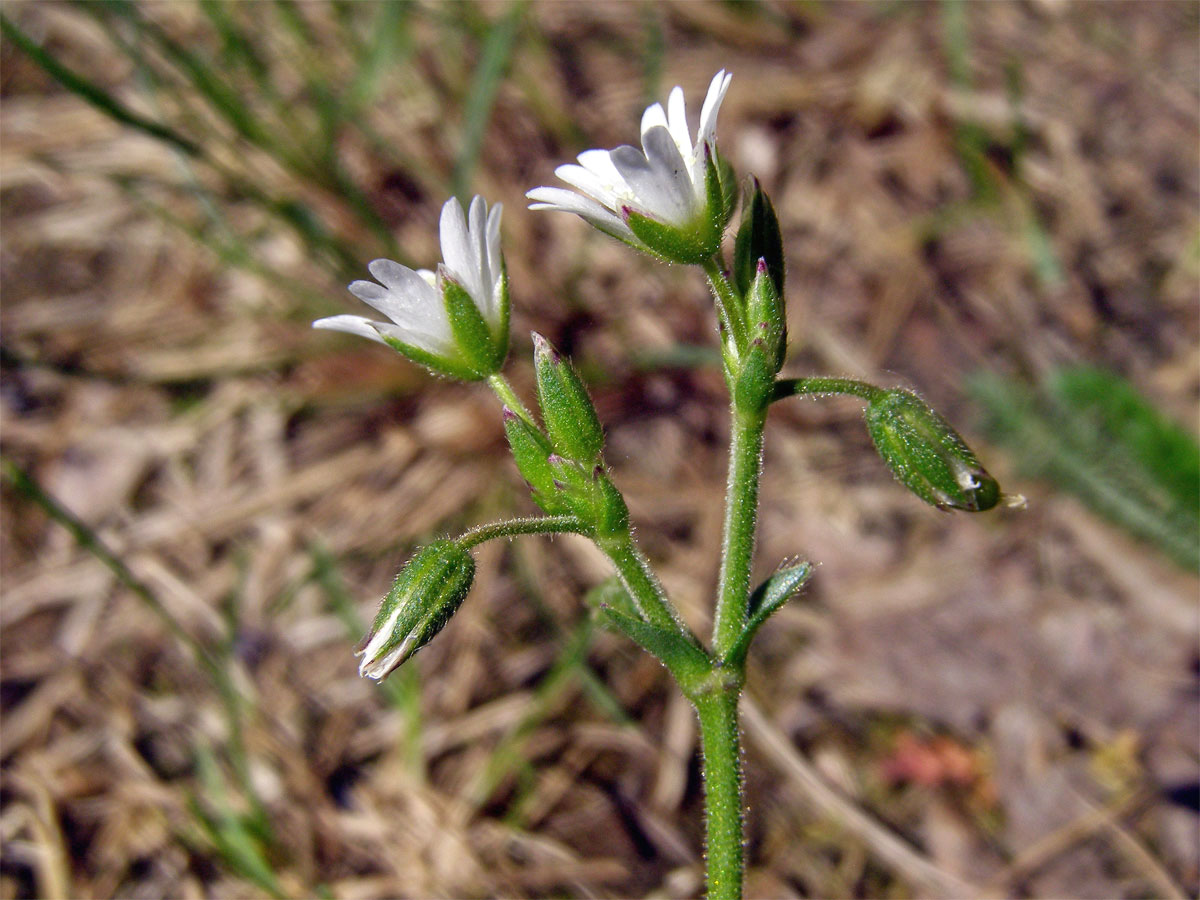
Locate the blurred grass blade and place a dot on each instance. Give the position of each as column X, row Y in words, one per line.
column 240, row 848
column 1162, row 449
column 390, row 44
column 403, row 688
column 1091, row 434
column 493, row 62
column 225, row 100
column 508, row 757
column 93, row 94
column 88, row 540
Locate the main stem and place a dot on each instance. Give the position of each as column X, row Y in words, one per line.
column 719, row 742
column 741, row 521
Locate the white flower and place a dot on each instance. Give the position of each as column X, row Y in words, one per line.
column 420, row 304
column 666, row 181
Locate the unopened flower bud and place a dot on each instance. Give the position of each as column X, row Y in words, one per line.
column 531, row 451
column 927, row 455
column 427, row 592
column 766, row 319
column 567, row 411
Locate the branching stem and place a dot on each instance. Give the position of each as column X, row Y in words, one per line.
column 824, row 386
column 514, row 527
column 509, row 398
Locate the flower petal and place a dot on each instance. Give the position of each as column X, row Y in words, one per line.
column 600, row 164
column 359, row 325
column 477, row 237
column 677, row 123
column 456, row 246
column 670, row 169
column 712, row 105
column 562, row 200
column 587, row 181
column 652, row 117
column 495, row 262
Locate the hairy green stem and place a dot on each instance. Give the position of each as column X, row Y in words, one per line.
column 741, row 521
column 641, row 583
column 720, row 745
column 513, row 527
column 509, row 398
column 824, row 385
column 727, row 302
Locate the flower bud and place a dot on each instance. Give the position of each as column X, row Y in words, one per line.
column 567, row 411
column 927, row 455
column 531, row 451
column 758, row 238
column 427, row 592
column 766, row 320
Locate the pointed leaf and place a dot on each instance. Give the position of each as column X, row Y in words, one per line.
column 767, row 598
column 687, row 662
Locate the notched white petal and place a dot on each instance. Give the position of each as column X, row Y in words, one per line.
column 357, row 325
column 390, row 273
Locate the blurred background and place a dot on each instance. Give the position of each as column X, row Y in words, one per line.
column 203, row 499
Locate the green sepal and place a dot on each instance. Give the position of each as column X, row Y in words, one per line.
column 474, row 340
column 766, row 318
column 687, row 662
column 441, row 365
column 500, row 333
column 611, row 512
column 927, row 455
column 758, row 237
column 531, row 452
column 727, row 185
column 767, row 598
column 427, row 592
column 755, row 380
column 692, row 245
column 567, row 410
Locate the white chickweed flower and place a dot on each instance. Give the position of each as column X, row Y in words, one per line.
column 455, row 321
column 666, row 198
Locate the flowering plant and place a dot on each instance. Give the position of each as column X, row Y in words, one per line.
column 672, row 199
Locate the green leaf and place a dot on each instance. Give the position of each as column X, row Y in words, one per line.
column 767, row 598
column 611, row 594
column 687, row 662
column 756, row 379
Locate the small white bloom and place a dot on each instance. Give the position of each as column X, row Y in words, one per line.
column 414, row 299
column 664, row 181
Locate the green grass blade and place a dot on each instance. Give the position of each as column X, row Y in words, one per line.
column 93, row 94
column 403, row 688
column 1092, row 435
column 493, row 63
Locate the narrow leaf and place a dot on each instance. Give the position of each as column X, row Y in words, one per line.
column 767, row 598
column 687, row 662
